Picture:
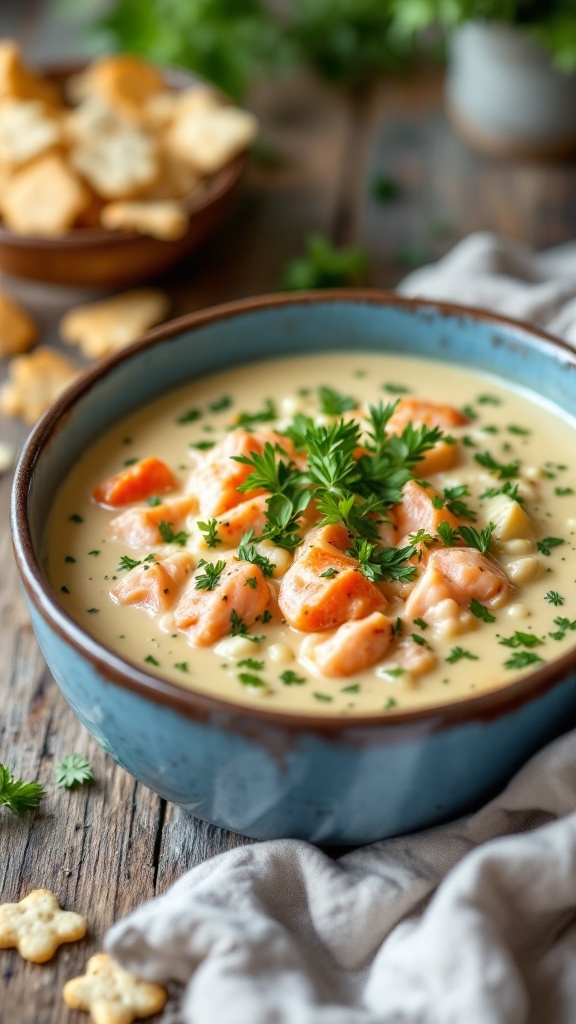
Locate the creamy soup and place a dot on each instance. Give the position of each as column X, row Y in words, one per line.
column 344, row 534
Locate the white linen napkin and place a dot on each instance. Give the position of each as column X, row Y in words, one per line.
column 471, row 923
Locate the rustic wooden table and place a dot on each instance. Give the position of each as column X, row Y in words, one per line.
column 105, row 848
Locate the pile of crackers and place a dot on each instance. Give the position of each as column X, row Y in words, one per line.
column 113, row 147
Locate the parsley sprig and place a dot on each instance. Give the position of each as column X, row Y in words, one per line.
column 73, row 770
column 16, row 794
column 210, row 578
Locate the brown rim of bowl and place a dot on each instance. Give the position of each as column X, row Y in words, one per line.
column 118, row 671
column 213, row 189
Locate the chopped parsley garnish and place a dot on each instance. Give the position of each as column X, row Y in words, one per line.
column 154, row 501
column 505, row 471
column 126, row 562
column 94, row 553
column 488, row 400
column 470, row 412
column 522, row 659
column 547, row 543
column 290, row 678
column 129, row 462
column 553, row 597
column 239, row 628
column 169, row 537
column 266, row 616
column 395, row 672
column 190, row 416
column 251, row 582
column 182, row 666
column 481, row 612
column 396, row 389
column 390, row 704
column 69, row 559
column 73, row 770
column 18, row 796
column 421, row 623
column 247, row 552
column 377, row 563
column 353, row 688
column 329, row 573
column 519, row 639
column 563, row 492
column 64, row 590
column 251, row 681
column 151, row 660
column 420, row 640
column 564, row 623
column 452, row 498
column 92, row 611
column 209, row 531
column 210, row 578
column 266, row 415
column 252, row 664
column 333, row 403
column 509, row 489
column 220, row 404
column 475, row 539
column 75, row 518
column 323, row 697
column 448, row 535
column 513, row 428
column 202, row 446
column 458, row 653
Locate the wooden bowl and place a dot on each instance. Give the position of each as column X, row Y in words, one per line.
column 98, row 258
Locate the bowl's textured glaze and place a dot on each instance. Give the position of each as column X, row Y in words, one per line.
column 261, row 773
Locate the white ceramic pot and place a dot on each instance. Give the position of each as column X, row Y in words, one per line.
column 504, row 95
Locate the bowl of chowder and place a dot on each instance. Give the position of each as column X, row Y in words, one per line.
column 305, row 565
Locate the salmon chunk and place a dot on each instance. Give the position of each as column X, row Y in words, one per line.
column 135, row 483
column 416, row 511
column 352, row 648
column 248, row 515
column 154, row 586
column 462, row 574
column 422, row 413
column 311, row 601
column 206, row 615
column 216, row 480
column 138, row 527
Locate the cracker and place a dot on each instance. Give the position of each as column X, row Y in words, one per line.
column 44, row 198
column 124, row 82
column 36, row 926
column 112, row 995
column 209, row 139
column 164, row 219
column 17, row 81
column 118, row 165
column 26, row 131
column 175, row 180
column 34, row 381
column 110, row 324
column 89, row 118
column 18, row 332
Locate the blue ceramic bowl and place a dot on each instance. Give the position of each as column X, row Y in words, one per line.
column 262, row 773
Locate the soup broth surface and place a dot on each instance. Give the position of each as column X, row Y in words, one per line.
column 512, row 447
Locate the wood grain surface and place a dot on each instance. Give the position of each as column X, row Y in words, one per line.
column 105, row 848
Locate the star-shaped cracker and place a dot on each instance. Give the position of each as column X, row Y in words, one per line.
column 111, row 995
column 37, row 926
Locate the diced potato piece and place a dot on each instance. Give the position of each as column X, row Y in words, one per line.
column 510, row 519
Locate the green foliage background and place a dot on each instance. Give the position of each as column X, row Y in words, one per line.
column 231, row 42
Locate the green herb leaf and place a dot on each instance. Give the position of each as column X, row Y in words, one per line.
column 169, row 537
column 252, row 664
column 210, row 578
column 190, row 416
column 18, row 796
column 458, row 653
column 73, row 770
column 448, row 535
column 209, row 531
column 519, row 639
column 329, row 573
column 522, row 659
column 475, row 539
column 268, row 414
column 291, row 678
column 505, row 471
column 247, row 552
column 481, row 612
column 333, row 403
column 547, row 543
column 128, row 563
column 553, row 597
column 323, row 266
